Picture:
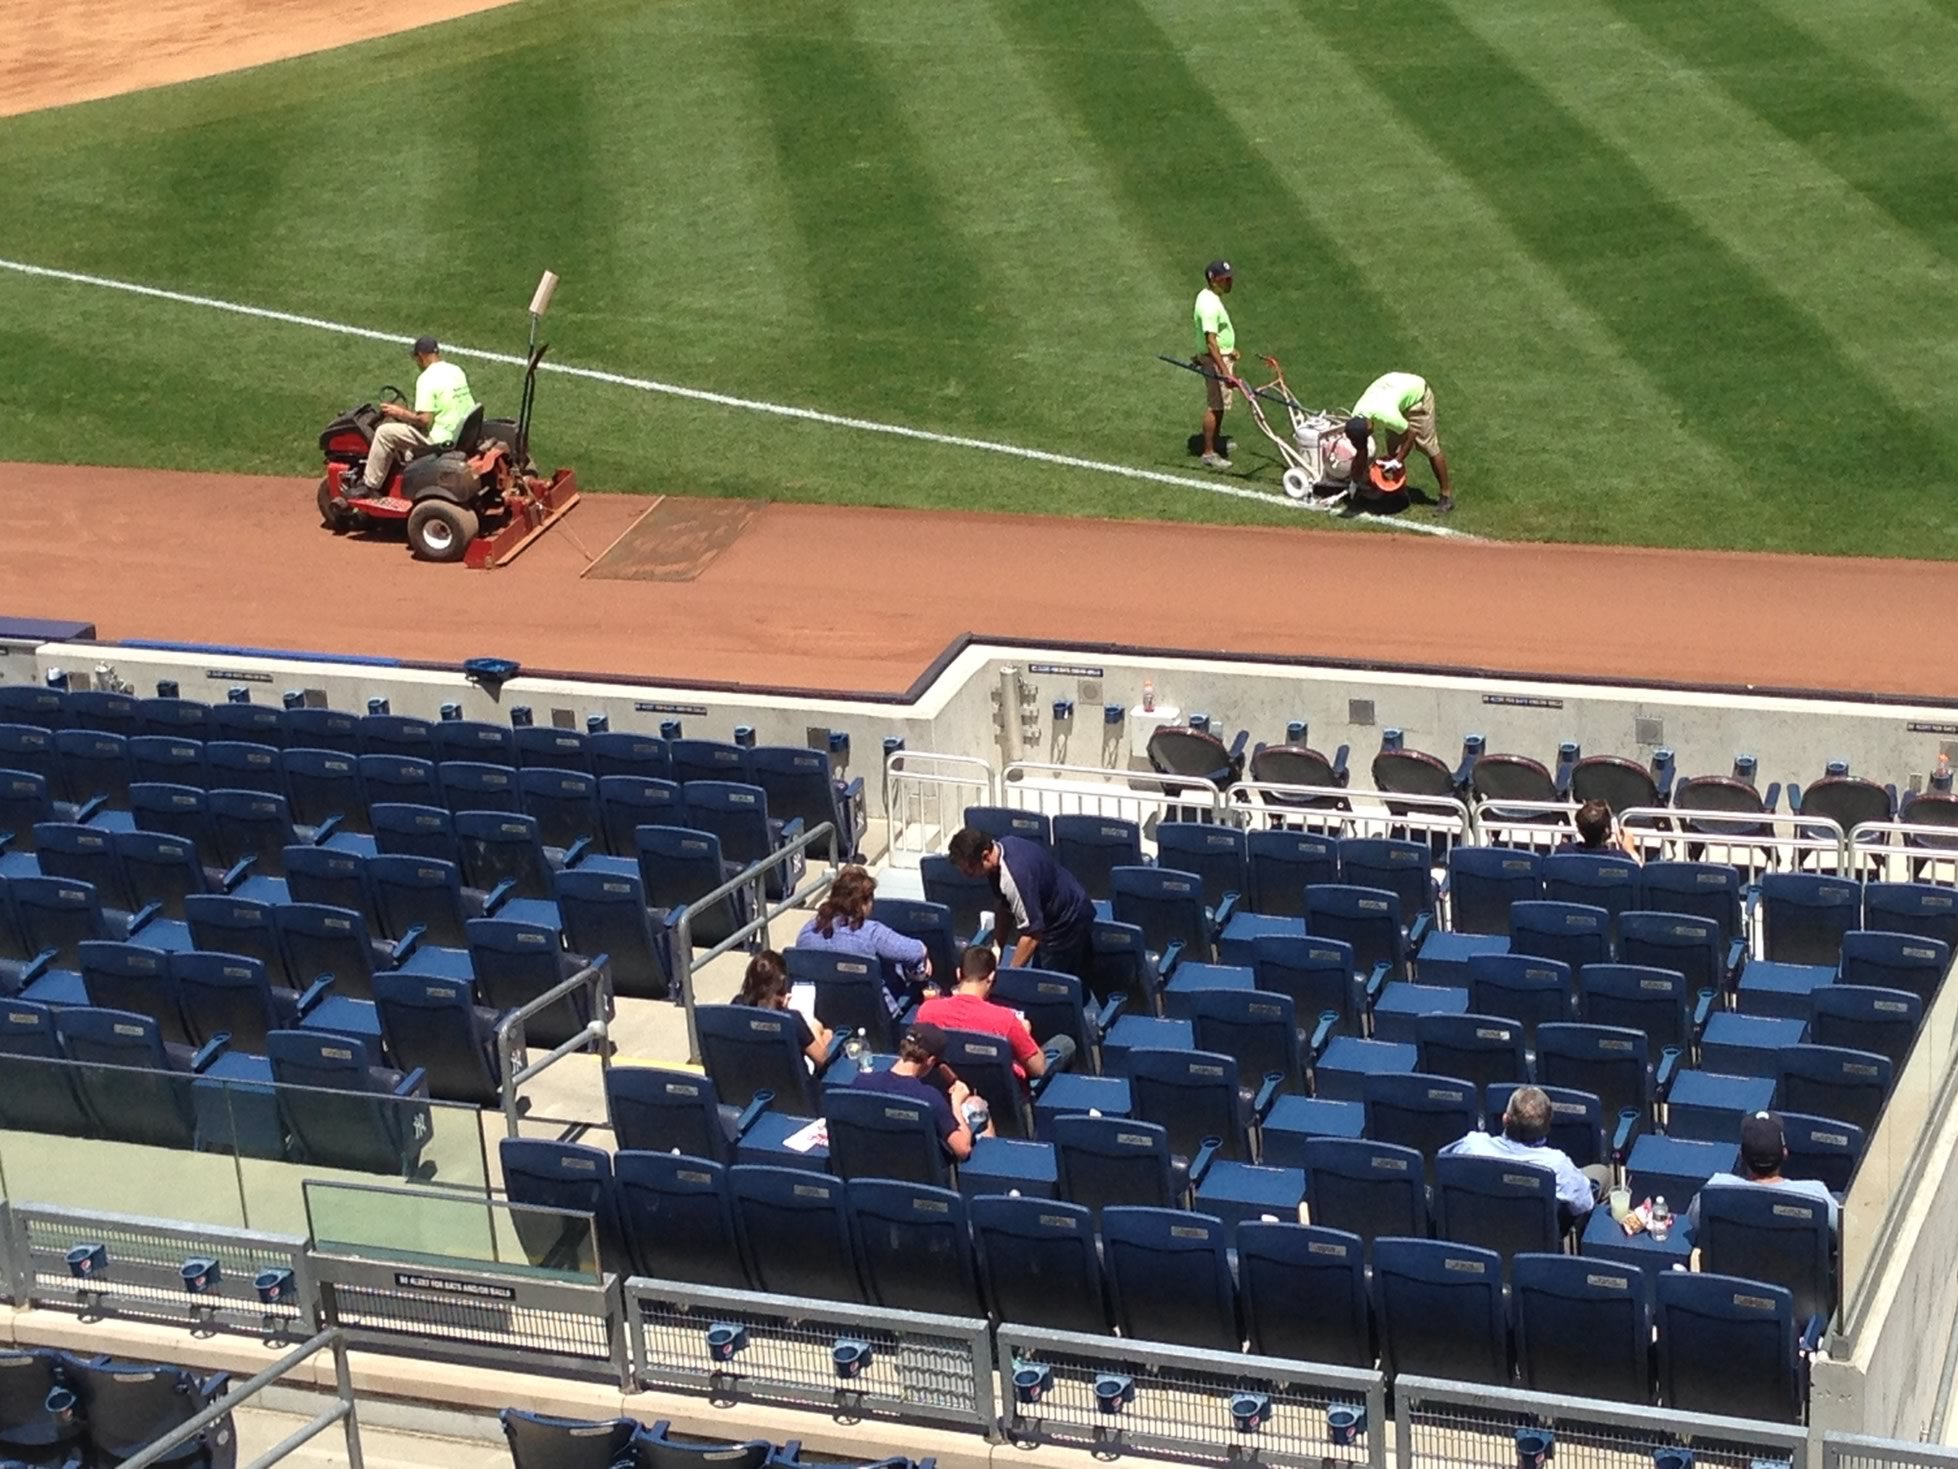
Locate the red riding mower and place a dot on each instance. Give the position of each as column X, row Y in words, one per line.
column 480, row 500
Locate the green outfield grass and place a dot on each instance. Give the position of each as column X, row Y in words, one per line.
column 1677, row 272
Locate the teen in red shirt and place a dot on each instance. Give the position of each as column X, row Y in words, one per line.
column 970, row 1006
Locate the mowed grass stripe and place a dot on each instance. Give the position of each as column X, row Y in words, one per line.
column 1424, row 228
column 1700, row 324
column 1912, row 48
column 1847, row 116
column 903, row 305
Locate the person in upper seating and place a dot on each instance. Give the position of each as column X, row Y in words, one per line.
column 1526, row 1138
column 843, row 925
column 1763, row 1149
column 920, row 1074
column 766, row 987
column 1049, row 910
column 1599, row 834
column 971, row 1006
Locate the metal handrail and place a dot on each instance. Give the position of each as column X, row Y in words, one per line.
column 980, row 776
column 1046, row 777
column 1947, row 851
column 756, row 875
column 1664, row 824
column 510, row 1035
column 1426, row 812
column 341, row 1412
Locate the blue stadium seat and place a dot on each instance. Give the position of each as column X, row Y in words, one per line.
column 544, row 747
column 1440, row 1309
column 174, row 810
column 1167, row 906
column 636, row 756
column 678, row 1219
column 27, row 801
column 1399, row 866
column 802, row 786
column 241, row 765
column 397, row 734
column 680, row 866
column 501, row 847
column 335, row 878
column 29, row 749
column 251, row 826
column 1194, row 1096
column 915, row 1246
column 1367, row 920
column 628, row 802
column 984, row 1062
column 1421, row 1112
column 321, row 729
column 1822, row 1148
column 1530, row 990
column 514, row 963
column 230, row 995
column 1283, row 865
column 1037, row 1263
column 1367, row 1188
column 1855, row 1017
column 795, row 1232
column 323, row 790
column 1122, row 967
column 341, row 1113
column 1593, row 880
column 1484, row 881
column 748, row 1051
column 27, row 704
column 469, row 785
column 968, row 899
column 1804, row 916
column 136, row 1087
column 1577, row 1122
column 1101, row 1161
column 38, row 1097
column 1479, row 1049
column 333, row 943
column 874, row 1134
column 94, row 767
column 1638, row 997
column 1571, row 933
column 851, row 993
column 1219, row 855
column 1583, row 1327
column 538, row 1441
column 1612, row 1064
column 1704, row 889
column 1502, row 1204
column 1928, row 910
column 1303, row 1293
column 130, row 1405
column 1686, row 943
column 403, row 780
column 165, row 870
column 1315, row 974
column 1009, row 821
column 475, row 742
column 1727, row 1346
column 20, row 962
column 570, row 1178
column 564, row 804
column 260, row 724
column 1774, row 1235
column 31, row 1429
column 77, row 853
column 1258, row 1028
column 606, row 913
column 658, row 1448
column 1826, row 1081
column 1054, row 1005
column 426, row 893
column 660, row 1109
column 1899, row 961
column 738, row 814
column 712, row 760
column 56, row 914
column 1092, row 847
column 434, row 1026
column 136, row 979
column 1169, row 1277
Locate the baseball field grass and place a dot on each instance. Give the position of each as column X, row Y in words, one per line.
column 1681, row 275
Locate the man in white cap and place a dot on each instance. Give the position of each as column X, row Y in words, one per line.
column 442, row 402
column 1217, row 356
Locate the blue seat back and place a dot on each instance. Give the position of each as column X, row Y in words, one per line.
column 1500, row 1204
column 679, row 866
column 1315, row 974
column 1822, row 1148
column 325, row 783
column 931, row 925
column 255, row 825
column 628, row 802
column 474, row 741
column 801, row 786
column 1192, row 1095
column 736, row 813
column 1303, row 1293
column 1121, row 965
column 85, row 854
column 243, row 765
column 26, row 704
column 1369, row 920
column 228, row 994
column 1368, row 1188
column 1899, row 961
column 1727, row 1346
column 563, row 803
column 1639, row 997
column 1526, row 988
column 969, row 899
column 1827, row 1081
column 1572, row 933
column 748, row 1050
column 420, row 892
column 1219, row 855
column 1593, row 879
column 342, row 1113
column 259, row 724
column 1440, row 1309
column 876, row 1134
column 795, row 1231
column 1583, row 1327
column 678, row 1219
column 1856, row 1017
column 849, row 992
column 1415, row 1110
column 914, row 1243
column 322, row 729
column 623, row 753
column 1037, row 1263
column 984, row 1062
column 1479, row 1049
column 565, row 1177
column 1484, row 881
column 503, row 846
column 1092, row 847
column 1705, row 889
column 94, row 766
column 38, row 1097
column 405, row 780
column 1283, row 864
column 29, row 749
column 605, row 913
column 1114, row 1160
column 159, row 868
column 1926, row 909
column 1774, row 1234
column 515, row 963
column 1576, row 1121
column 658, row 1109
column 333, row 877
column 1400, row 866
column 1685, row 942
column 710, row 760
column 470, row 785
column 1612, row 1064
column 1804, row 916
column 178, row 811
column 56, row 913
column 320, row 942
column 432, row 1025
column 544, row 747
column 137, row 979
column 1259, row 1028
column 1169, row 1277
column 134, row 1088
column 397, row 734
column 1009, row 821
column 538, row 1441
column 130, row 1405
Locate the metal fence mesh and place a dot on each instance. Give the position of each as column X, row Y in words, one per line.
column 472, row 1320
column 1851, row 1452
column 789, row 1359
column 1449, row 1436
column 1183, row 1412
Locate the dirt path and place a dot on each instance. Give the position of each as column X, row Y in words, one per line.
column 53, row 52
column 862, row 600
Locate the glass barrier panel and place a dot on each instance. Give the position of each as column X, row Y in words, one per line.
column 419, row 1227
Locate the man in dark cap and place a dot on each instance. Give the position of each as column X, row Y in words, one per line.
column 442, row 402
column 1217, row 356
column 919, row 1075
column 1763, row 1149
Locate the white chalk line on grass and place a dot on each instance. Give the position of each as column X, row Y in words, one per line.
column 724, row 400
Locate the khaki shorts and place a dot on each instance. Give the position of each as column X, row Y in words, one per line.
column 1217, row 396
column 1421, row 423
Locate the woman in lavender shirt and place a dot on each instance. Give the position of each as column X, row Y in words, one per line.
column 843, row 925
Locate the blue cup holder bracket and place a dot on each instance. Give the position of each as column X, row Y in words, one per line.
column 726, row 1340
column 1114, row 1391
column 1346, row 1424
column 1032, row 1381
column 850, row 1356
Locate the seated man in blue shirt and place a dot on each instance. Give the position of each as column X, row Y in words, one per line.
column 1763, row 1149
column 914, row 1076
column 1036, row 898
column 1526, row 1138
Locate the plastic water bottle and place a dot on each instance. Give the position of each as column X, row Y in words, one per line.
column 856, row 1045
column 977, row 1114
column 1661, row 1222
column 1148, row 696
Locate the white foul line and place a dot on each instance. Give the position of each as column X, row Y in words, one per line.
column 702, row 395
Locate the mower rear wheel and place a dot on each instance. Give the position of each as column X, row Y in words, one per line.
column 439, row 531
column 334, row 514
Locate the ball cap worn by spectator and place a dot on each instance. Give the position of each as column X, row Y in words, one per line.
column 1217, row 270
column 424, row 345
column 928, row 1038
column 1762, row 1144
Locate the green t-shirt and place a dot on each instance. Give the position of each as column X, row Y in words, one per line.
column 1212, row 317
column 443, row 391
column 1388, row 398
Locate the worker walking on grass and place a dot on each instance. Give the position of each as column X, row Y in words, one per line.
column 1216, row 357
column 1398, row 409
column 442, row 402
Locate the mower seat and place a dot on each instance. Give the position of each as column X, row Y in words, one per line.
column 471, row 432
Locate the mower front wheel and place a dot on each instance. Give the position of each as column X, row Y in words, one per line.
column 439, row 531
column 334, row 514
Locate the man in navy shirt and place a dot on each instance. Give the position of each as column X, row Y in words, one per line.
column 918, row 1060
column 1039, row 900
